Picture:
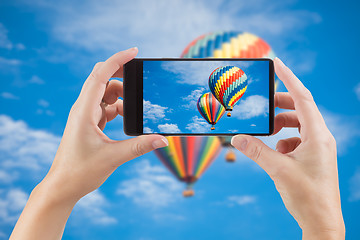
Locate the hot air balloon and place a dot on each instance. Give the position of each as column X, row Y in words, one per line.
column 228, row 84
column 210, row 109
column 187, row 158
column 229, row 44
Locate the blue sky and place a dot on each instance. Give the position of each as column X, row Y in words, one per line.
column 172, row 89
column 47, row 49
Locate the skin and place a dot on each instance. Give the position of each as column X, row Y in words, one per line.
column 86, row 157
column 303, row 170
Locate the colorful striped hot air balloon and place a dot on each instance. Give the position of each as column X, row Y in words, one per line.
column 189, row 157
column 231, row 44
column 228, row 84
column 210, row 109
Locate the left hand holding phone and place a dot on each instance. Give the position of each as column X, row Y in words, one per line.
column 86, row 157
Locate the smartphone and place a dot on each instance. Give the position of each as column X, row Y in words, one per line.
column 212, row 96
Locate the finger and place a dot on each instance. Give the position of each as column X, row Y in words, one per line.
column 309, row 116
column 119, row 73
column 94, row 87
column 286, row 119
column 113, row 91
column 268, row 159
column 114, row 109
column 284, row 100
column 288, row 145
column 134, row 147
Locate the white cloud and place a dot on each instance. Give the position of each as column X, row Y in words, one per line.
column 357, row 90
column 192, row 98
column 148, row 130
column 198, row 125
column 6, row 177
column 153, row 112
column 343, row 133
column 252, row 106
column 8, row 95
column 43, row 103
column 4, row 62
column 355, row 187
column 22, row 147
column 92, row 207
column 4, row 40
column 192, row 73
column 151, row 186
column 95, row 30
column 169, row 128
column 241, row 200
column 12, row 202
column 36, row 80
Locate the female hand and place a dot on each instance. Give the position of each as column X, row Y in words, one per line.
column 304, row 169
column 86, row 157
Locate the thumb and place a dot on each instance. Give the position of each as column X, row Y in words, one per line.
column 135, row 147
column 264, row 156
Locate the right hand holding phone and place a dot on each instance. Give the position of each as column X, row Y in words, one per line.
column 304, row 169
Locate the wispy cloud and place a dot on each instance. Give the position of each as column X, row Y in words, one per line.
column 252, row 106
column 198, row 125
column 36, row 80
column 12, row 201
column 355, row 186
column 357, row 90
column 10, row 96
column 92, row 207
column 5, row 41
column 169, row 128
column 241, row 200
column 24, row 148
column 163, row 38
column 191, row 99
column 43, row 103
column 153, row 112
column 148, row 130
column 150, row 186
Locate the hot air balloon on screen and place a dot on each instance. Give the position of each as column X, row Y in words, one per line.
column 228, row 84
column 187, row 158
column 229, row 44
column 210, row 109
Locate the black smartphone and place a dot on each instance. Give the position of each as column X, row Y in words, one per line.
column 212, row 96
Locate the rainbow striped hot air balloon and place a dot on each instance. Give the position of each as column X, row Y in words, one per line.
column 189, row 157
column 228, row 84
column 210, row 109
column 229, row 44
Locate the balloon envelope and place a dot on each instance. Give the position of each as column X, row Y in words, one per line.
column 228, row 84
column 232, row 44
column 189, row 157
column 210, row 109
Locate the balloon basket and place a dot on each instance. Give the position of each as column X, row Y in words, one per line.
column 228, row 114
column 188, row 193
column 230, row 157
column 212, row 128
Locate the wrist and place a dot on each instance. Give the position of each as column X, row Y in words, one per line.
column 53, row 193
column 330, row 233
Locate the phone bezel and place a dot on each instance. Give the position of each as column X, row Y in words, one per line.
column 133, row 95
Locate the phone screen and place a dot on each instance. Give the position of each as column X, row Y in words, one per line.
column 206, row 97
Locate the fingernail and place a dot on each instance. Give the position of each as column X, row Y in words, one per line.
column 134, row 48
column 240, row 142
column 163, row 142
column 279, row 61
